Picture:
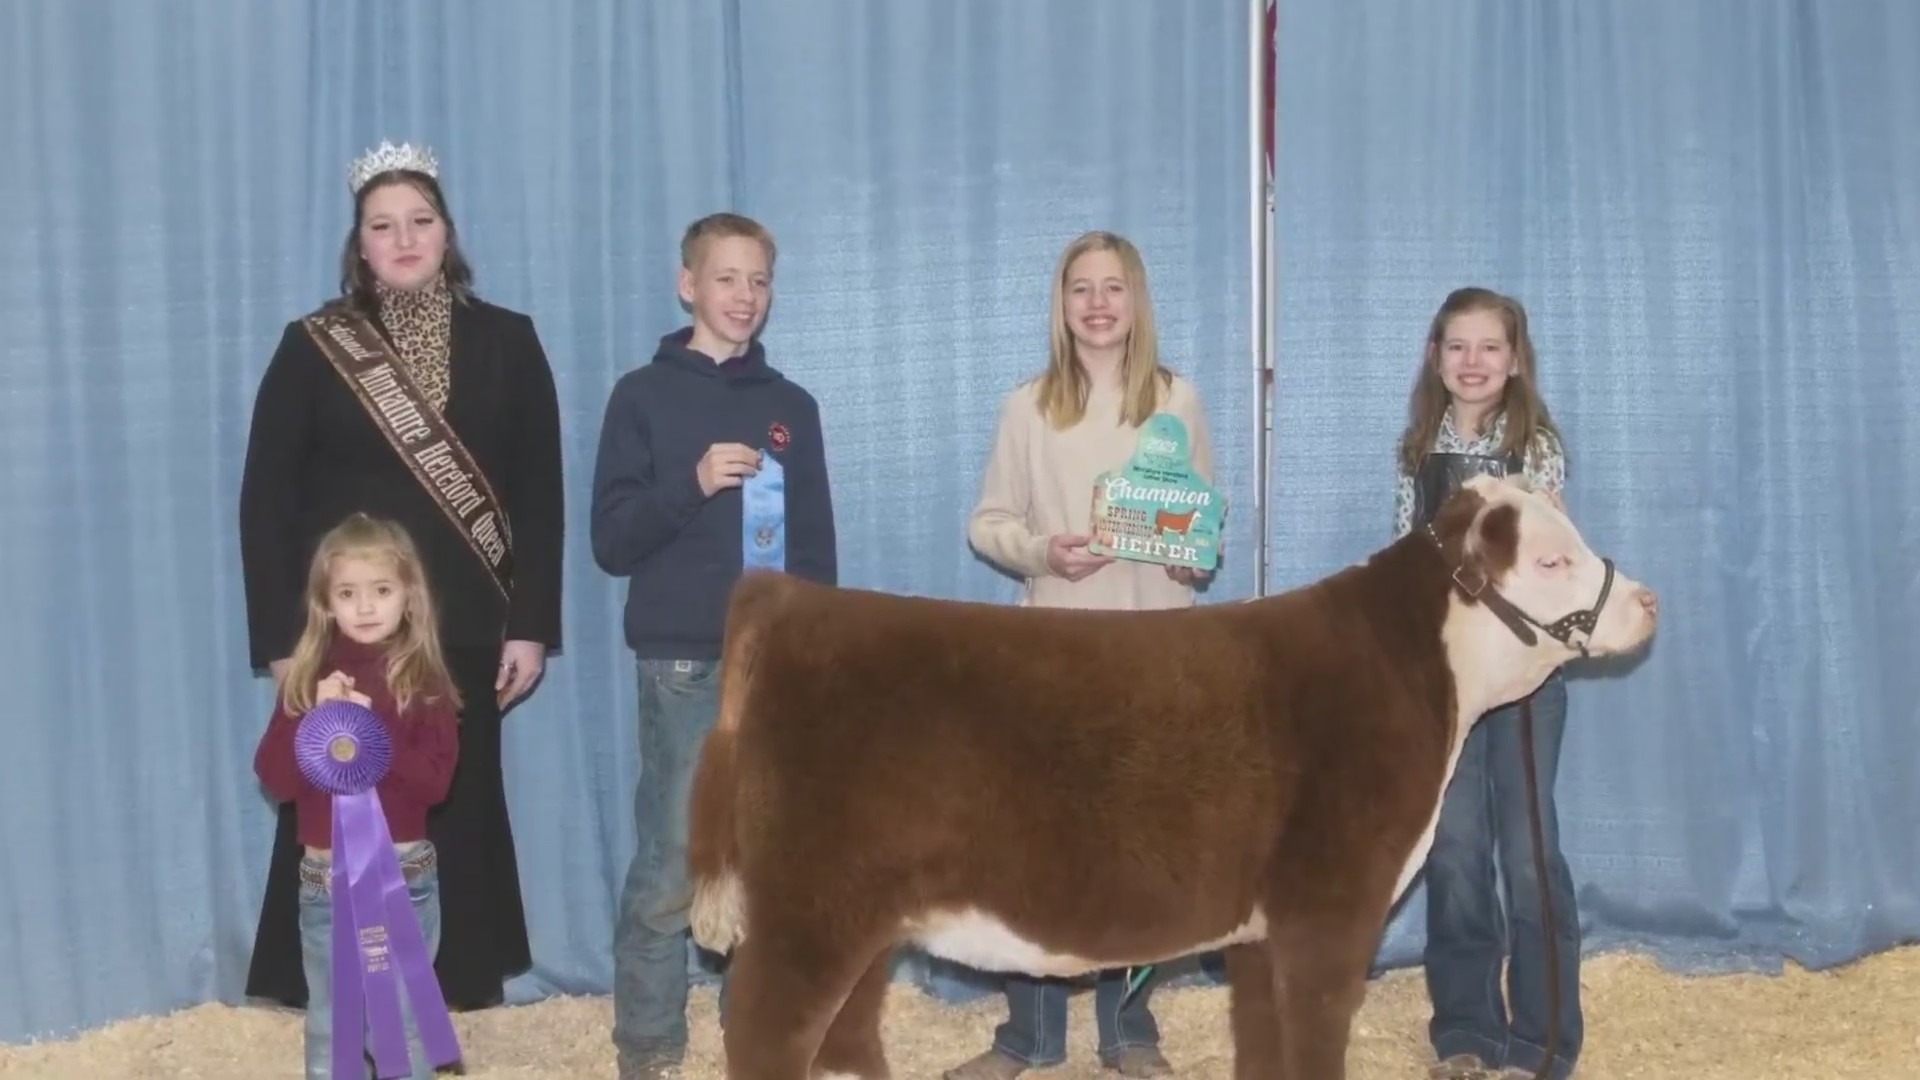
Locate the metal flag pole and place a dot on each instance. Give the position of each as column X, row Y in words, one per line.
column 1261, row 23
column 1262, row 86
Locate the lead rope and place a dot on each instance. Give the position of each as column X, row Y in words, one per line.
column 1546, row 894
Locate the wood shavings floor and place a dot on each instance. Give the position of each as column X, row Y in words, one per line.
column 1861, row 1022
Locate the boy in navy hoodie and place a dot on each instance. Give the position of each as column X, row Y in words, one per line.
column 681, row 436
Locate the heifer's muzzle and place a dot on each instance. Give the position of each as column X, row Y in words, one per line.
column 1574, row 631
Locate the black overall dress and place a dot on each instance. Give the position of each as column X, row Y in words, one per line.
column 1440, row 475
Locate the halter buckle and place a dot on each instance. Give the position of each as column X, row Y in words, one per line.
column 1473, row 589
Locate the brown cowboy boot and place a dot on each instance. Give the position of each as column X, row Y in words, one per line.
column 1458, row 1067
column 992, row 1065
column 1138, row 1061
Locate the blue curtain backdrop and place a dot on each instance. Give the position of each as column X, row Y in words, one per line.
column 174, row 191
column 1710, row 209
column 1707, row 206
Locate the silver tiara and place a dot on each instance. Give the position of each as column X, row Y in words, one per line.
column 387, row 157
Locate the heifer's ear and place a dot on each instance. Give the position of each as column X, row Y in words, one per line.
column 1455, row 521
column 1493, row 542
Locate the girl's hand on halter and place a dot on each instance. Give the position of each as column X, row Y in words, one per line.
column 1068, row 556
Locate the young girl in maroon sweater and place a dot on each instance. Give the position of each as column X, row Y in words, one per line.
column 371, row 638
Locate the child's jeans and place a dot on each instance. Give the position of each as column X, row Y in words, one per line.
column 1472, row 927
column 679, row 702
column 419, row 866
column 1035, row 1031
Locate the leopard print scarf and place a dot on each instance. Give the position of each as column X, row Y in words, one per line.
column 420, row 322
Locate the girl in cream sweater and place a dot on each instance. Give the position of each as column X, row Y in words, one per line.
column 1058, row 432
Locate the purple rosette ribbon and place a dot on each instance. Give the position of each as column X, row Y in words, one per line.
column 342, row 748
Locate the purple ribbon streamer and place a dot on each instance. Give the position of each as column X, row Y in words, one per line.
column 377, row 945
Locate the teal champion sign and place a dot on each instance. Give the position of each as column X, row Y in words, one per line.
column 1157, row 509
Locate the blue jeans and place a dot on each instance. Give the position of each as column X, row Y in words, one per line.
column 417, row 864
column 1484, row 823
column 679, row 701
column 1035, row 1030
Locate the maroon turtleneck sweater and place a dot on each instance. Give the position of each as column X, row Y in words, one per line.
column 426, row 743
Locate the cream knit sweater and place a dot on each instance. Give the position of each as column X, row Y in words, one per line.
column 1039, row 482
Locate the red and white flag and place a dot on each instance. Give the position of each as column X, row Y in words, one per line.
column 1270, row 77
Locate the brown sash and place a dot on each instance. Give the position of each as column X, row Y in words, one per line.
column 418, row 433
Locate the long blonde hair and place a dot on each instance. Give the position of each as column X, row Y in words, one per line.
column 416, row 665
column 1520, row 400
column 1064, row 387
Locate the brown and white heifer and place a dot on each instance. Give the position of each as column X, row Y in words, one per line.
column 1056, row 791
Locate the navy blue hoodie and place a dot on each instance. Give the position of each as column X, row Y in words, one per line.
column 680, row 550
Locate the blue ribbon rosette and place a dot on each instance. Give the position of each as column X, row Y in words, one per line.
column 343, row 749
column 763, row 517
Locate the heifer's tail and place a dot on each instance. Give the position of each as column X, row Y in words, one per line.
column 719, row 913
column 719, row 916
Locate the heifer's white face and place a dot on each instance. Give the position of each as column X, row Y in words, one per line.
column 1555, row 575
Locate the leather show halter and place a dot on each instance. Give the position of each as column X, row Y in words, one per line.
column 1573, row 631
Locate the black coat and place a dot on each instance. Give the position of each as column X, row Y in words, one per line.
column 314, row 456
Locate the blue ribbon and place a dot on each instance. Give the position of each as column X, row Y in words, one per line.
column 763, row 517
column 343, row 749
column 1136, row 978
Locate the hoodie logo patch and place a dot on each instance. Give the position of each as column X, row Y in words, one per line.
column 778, row 434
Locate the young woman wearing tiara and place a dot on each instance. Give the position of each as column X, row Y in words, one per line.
column 409, row 398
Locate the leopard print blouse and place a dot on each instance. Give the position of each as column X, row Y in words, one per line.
column 420, row 322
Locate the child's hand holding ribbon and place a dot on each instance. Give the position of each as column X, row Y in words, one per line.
column 339, row 686
column 726, row 465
